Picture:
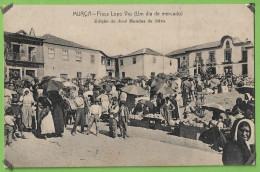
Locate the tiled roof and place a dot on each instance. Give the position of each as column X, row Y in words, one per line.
column 202, row 46
column 21, row 34
column 59, row 41
column 144, row 51
column 116, row 57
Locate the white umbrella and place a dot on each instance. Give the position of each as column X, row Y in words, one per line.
column 59, row 79
column 70, row 85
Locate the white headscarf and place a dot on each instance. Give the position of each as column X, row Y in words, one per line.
column 249, row 97
column 251, row 139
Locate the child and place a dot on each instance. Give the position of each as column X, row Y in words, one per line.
column 17, row 112
column 9, row 127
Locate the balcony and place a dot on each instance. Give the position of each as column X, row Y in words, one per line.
column 22, row 57
column 111, row 68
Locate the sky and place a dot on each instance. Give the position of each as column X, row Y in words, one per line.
column 198, row 24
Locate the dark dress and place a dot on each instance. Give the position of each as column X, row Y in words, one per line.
column 57, row 111
column 17, row 110
column 235, row 153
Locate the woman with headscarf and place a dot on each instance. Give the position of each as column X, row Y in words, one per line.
column 240, row 149
column 27, row 101
column 57, row 112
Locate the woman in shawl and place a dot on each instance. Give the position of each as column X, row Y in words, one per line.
column 240, row 149
column 114, row 109
column 27, row 101
column 57, row 112
column 45, row 117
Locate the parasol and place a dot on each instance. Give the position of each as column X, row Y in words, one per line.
column 147, row 103
column 161, row 75
column 246, row 89
column 105, row 86
column 157, row 82
column 18, row 82
column 165, row 90
column 70, row 85
column 213, row 107
column 58, row 79
column 135, row 90
column 52, row 86
column 143, row 77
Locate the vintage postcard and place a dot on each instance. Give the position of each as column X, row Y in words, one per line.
column 129, row 85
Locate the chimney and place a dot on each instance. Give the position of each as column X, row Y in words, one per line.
column 32, row 33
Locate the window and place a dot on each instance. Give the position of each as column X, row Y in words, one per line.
column 227, row 55
column 78, row 56
column 123, row 74
column 30, row 73
column 212, row 56
column 32, row 53
column 134, row 60
column 108, row 62
column 51, row 53
column 198, row 59
column 170, row 62
column 79, row 74
column 227, row 44
column 244, row 69
column 153, row 74
column 179, row 63
column 92, row 59
column 154, row 59
column 103, row 60
column 244, row 55
column 184, row 58
column 121, row 62
column 65, row 54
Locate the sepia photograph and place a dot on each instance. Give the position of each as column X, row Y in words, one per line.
column 129, row 85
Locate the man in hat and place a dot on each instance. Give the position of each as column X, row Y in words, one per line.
column 114, row 109
column 95, row 113
column 123, row 117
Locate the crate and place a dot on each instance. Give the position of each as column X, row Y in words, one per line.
column 191, row 132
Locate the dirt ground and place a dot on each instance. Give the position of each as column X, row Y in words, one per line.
column 144, row 147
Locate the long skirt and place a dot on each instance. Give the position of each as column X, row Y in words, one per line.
column 47, row 125
column 27, row 116
column 112, row 127
column 58, row 120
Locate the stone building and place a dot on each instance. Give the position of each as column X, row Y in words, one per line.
column 228, row 55
column 23, row 55
column 145, row 62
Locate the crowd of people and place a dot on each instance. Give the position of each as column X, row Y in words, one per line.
column 45, row 109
